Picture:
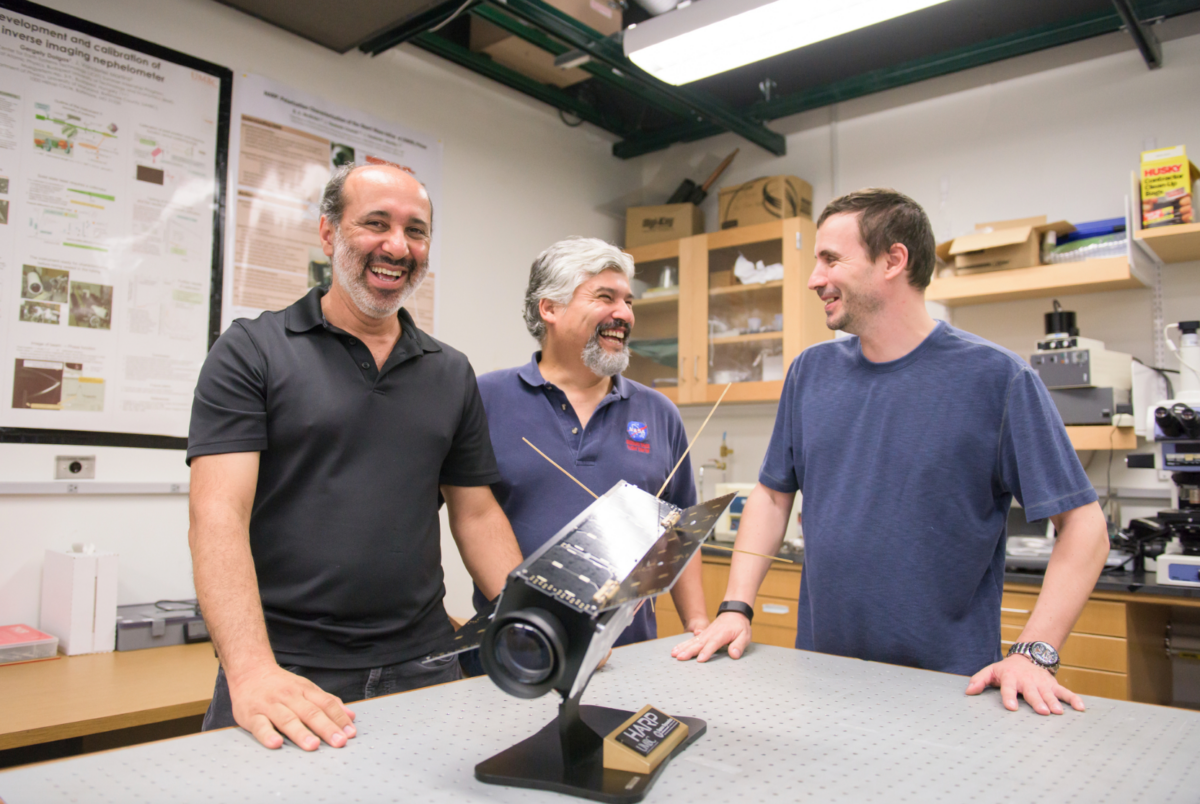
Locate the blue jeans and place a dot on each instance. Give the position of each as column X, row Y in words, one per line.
column 349, row 685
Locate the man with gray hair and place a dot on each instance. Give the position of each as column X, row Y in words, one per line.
column 323, row 438
column 572, row 402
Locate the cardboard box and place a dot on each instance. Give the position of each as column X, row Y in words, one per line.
column 1168, row 183
column 722, row 279
column 764, row 200
column 530, row 60
column 1000, row 245
column 79, row 600
column 646, row 225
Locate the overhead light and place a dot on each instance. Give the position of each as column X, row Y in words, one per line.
column 697, row 40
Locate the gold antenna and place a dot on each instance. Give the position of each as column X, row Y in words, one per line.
column 559, row 468
column 748, row 552
column 689, row 446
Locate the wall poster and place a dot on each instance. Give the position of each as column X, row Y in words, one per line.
column 283, row 147
column 112, row 163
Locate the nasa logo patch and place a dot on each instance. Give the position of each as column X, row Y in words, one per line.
column 636, row 431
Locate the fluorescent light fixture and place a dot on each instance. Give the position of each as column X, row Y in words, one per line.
column 711, row 36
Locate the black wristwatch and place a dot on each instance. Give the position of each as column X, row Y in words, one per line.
column 744, row 609
column 1042, row 654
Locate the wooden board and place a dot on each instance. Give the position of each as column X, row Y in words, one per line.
column 1179, row 243
column 82, row 695
column 1040, row 281
column 1102, row 437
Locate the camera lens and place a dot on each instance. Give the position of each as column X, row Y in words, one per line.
column 525, row 653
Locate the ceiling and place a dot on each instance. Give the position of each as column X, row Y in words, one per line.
column 648, row 115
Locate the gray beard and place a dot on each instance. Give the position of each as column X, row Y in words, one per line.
column 349, row 269
column 602, row 363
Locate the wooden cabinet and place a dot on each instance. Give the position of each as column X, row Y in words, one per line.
column 1114, row 650
column 712, row 329
column 774, row 609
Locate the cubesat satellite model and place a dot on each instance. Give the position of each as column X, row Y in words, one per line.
column 558, row 616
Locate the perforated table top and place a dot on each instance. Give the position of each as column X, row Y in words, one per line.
column 783, row 725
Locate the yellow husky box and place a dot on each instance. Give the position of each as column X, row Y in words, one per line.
column 1168, row 182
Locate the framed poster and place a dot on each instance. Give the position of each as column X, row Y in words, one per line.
column 112, row 188
column 285, row 144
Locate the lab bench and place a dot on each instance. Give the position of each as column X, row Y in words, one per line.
column 782, row 725
column 1116, row 649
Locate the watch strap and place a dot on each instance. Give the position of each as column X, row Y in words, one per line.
column 745, row 609
column 1026, row 649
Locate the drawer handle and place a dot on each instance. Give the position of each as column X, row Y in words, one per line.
column 774, row 608
column 1015, row 611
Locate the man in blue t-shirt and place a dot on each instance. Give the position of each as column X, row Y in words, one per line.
column 909, row 442
column 571, row 402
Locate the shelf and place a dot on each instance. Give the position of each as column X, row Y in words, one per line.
column 656, row 301
column 773, row 335
column 1179, row 243
column 745, row 288
column 1102, row 437
column 1039, row 281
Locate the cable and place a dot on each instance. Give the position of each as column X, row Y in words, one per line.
column 562, row 115
column 1162, row 372
column 1108, row 489
column 451, row 18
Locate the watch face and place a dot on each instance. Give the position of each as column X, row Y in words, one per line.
column 1044, row 653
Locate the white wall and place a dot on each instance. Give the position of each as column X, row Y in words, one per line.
column 515, row 180
column 1053, row 133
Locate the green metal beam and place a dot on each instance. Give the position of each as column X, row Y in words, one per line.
column 485, row 66
column 604, row 50
column 964, row 58
column 663, row 100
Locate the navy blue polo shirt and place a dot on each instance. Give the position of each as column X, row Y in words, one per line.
column 635, row 435
column 344, row 530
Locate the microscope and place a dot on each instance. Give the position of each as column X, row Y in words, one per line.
column 1172, row 537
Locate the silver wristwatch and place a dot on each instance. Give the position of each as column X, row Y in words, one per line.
column 1040, row 653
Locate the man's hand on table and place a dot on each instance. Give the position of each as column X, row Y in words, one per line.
column 730, row 629
column 271, row 700
column 1018, row 674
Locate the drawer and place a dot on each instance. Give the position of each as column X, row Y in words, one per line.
column 1082, row 650
column 783, row 583
column 1095, row 682
column 773, row 635
column 664, row 601
column 716, row 581
column 1101, row 617
column 775, row 612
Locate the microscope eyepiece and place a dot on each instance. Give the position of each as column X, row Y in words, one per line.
column 1187, row 419
column 1168, row 422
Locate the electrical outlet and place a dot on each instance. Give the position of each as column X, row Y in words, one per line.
column 74, row 467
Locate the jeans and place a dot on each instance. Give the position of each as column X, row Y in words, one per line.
column 349, row 685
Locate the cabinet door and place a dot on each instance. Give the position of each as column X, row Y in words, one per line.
column 654, row 346
column 749, row 330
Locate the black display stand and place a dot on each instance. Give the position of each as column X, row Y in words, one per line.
column 567, row 756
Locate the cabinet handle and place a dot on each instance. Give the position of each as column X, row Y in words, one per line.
column 1015, row 611
column 696, row 368
column 774, row 608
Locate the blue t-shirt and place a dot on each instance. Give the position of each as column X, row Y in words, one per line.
column 634, row 435
column 907, row 470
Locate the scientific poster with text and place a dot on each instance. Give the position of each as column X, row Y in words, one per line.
column 108, row 195
column 284, row 145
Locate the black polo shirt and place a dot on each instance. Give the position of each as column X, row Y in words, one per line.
column 344, row 529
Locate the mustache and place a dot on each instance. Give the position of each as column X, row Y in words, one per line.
column 408, row 262
column 614, row 324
